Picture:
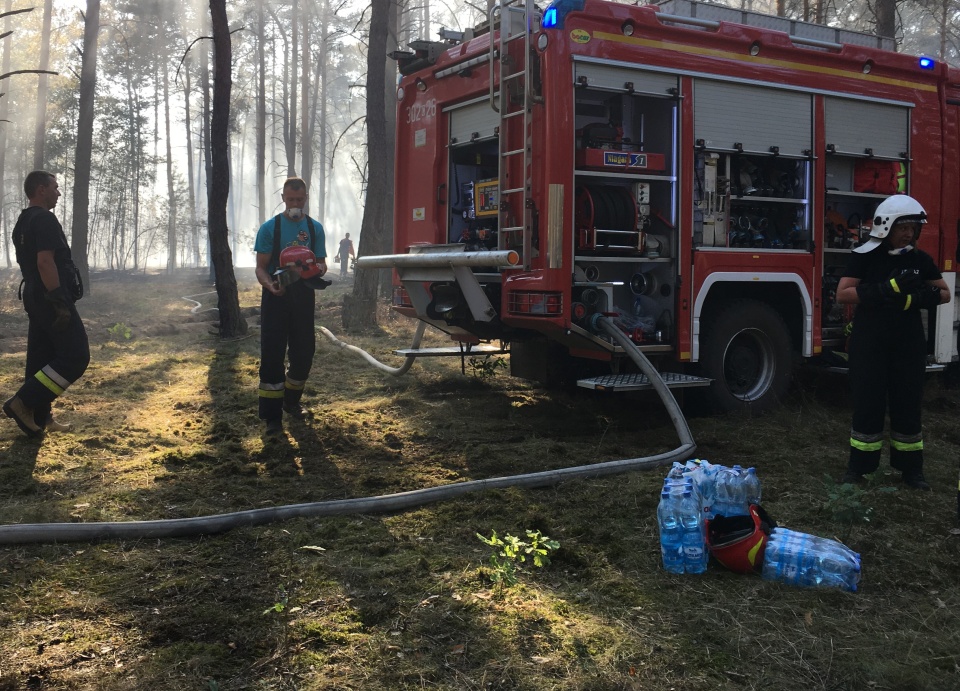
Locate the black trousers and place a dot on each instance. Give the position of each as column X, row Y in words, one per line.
column 55, row 359
column 887, row 368
column 286, row 332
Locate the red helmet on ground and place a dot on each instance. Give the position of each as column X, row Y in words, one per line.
column 300, row 257
column 738, row 542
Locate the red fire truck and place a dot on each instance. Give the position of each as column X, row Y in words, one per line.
column 694, row 173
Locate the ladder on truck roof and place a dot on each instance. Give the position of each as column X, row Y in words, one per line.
column 518, row 21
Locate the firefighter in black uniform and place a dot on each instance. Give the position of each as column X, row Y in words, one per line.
column 890, row 281
column 57, row 349
column 286, row 311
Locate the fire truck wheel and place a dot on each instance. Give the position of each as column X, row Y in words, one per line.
column 746, row 351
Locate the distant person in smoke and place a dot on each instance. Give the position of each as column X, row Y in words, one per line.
column 57, row 348
column 287, row 307
column 345, row 254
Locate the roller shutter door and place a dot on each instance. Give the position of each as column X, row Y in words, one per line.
column 614, row 78
column 726, row 113
column 474, row 121
column 852, row 126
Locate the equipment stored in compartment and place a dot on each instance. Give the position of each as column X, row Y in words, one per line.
column 606, row 217
column 603, row 147
column 481, row 199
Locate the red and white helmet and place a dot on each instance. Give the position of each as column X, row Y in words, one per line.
column 738, row 542
column 300, row 257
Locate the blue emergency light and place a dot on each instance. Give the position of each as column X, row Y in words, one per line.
column 927, row 63
column 554, row 15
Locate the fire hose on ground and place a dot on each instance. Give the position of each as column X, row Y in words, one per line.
column 211, row 525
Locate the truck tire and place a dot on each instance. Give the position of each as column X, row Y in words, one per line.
column 745, row 349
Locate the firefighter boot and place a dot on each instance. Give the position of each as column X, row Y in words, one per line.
column 54, row 426
column 915, row 480
column 274, row 429
column 17, row 410
column 852, row 477
column 291, row 400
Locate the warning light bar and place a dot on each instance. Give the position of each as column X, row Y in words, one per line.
column 927, row 63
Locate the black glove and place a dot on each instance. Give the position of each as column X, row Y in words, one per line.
column 61, row 304
column 928, row 297
column 900, row 282
column 881, row 295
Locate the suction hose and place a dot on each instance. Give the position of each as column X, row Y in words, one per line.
column 396, row 371
column 221, row 523
column 641, row 361
column 197, row 304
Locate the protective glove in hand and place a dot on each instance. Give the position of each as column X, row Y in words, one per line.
column 61, row 308
column 318, row 283
column 927, row 297
column 883, row 295
column 901, row 282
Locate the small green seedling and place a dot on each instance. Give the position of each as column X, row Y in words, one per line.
column 510, row 552
column 120, row 332
column 486, row 367
column 847, row 503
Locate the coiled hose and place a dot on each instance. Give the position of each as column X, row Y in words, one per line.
column 210, row 525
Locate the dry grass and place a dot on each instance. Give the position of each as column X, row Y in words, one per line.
column 165, row 427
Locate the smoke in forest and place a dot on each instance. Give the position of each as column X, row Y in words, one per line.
column 152, row 100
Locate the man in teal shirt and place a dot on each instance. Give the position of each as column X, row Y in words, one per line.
column 286, row 312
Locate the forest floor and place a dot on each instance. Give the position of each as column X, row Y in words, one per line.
column 165, row 427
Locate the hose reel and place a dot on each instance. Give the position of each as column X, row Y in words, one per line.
column 606, row 218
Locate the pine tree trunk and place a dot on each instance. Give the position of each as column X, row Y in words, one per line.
column 320, row 108
column 205, row 139
column 232, row 324
column 171, row 196
column 291, row 140
column 81, row 182
column 4, row 111
column 191, row 195
column 261, row 153
column 886, row 14
column 360, row 310
column 390, row 134
column 306, row 150
column 40, row 131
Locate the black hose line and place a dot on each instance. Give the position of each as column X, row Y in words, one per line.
column 39, row 533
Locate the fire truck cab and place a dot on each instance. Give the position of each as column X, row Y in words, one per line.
column 695, row 173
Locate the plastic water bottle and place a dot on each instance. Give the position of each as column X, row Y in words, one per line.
column 728, row 491
column 694, row 545
column 751, row 485
column 800, row 559
column 739, row 507
column 703, row 474
column 706, row 482
column 784, row 556
column 671, row 541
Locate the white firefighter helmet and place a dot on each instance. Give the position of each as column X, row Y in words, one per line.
column 900, row 208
